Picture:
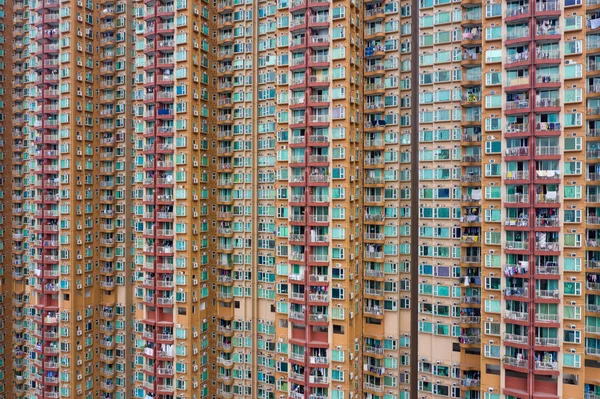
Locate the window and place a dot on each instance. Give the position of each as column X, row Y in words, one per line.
column 573, row 71
column 493, row 147
column 572, row 312
column 492, row 351
column 571, row 360
column 492, row 56
column 573, row 143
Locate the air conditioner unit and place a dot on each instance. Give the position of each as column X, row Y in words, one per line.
column 79, row 197
column 79, row 63
column 195, row 265
column 79, row 333
column 79, row 257
column 79, row 242
column 79, row 377
column 79, row 363
column 79, row 153
column 79, row 318
column 195, row 351
column 195, row 248
column 195, row 334
column 79, row 347
column 79, row 167
column 195, row 281
column 195, row 214
column 79, row 286
column 79, row 271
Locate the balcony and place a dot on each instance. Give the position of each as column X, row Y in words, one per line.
column 546, row 341
column 516, row 105
column 591, row 286
column 517, row 175
column 547, row 6
column 547, row 222
column 470, row 319
column 471, row 178
column 297, row 315
column 470, row 339
column 516, row 245
column 514, row 362
column 470, row 382
column 471, row 259
column 517, row 11
column 297, row 296
column 548, row 198
column 546, row 317
column 516, row 339
column 522, row 292
column 318, row 360
column 517, row 151
column 518, row 127
column 547, row 246
column 546, row 365
column 547, row 294
column 517, row 199
column 517, row 316
column 373, row 387
column 373, row 310
column 374, row 254
column 318, row 317
column 517, row 33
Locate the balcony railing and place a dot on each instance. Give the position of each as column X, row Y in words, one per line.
column 518, row 245
column 547, row 5
column 514, row 315
column 515, row 11
column 546, row 341
column 517, row 33
column 546, row 317
column 516, row 339
column 514, row 362
column 545, row 365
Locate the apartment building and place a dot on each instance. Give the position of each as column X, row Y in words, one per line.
column 240, row 199
column 446, row 239
column 531, row 245
column 8, row 316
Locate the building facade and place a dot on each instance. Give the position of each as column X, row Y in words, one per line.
column 300, row 199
